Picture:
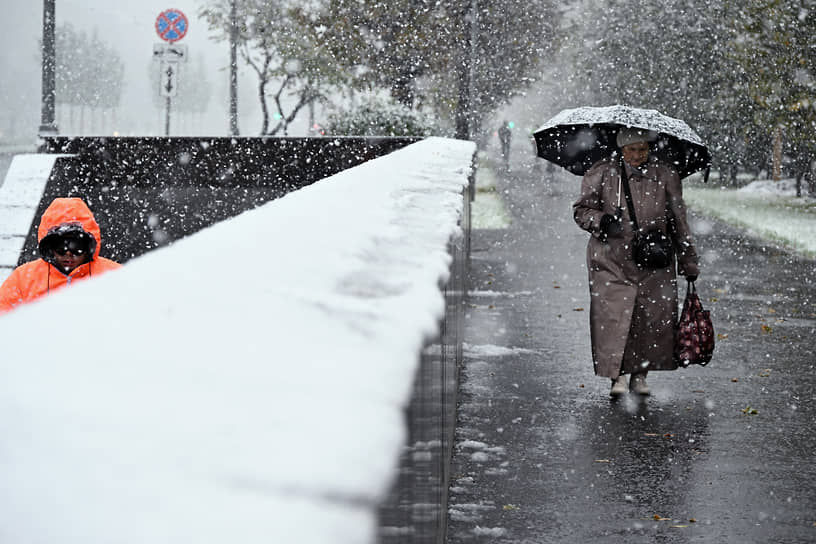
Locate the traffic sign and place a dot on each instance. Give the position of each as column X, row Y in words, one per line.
column 171, row 25
column 169, row 52
column 168, row 83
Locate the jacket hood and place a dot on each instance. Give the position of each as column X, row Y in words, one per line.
column 67, row 211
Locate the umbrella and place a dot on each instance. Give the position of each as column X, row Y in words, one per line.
column 577, row 138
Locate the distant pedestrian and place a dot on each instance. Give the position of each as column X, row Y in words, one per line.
column 633, row 310
column 69, row 242
column 505, row 136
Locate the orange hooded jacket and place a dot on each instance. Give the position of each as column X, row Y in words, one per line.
column 37, row 278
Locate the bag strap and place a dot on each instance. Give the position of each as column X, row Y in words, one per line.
column 628, row 194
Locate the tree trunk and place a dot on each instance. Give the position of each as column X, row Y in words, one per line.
column 402, row 90
column 463, row 69
column 799, row 175
column 777, row 154
column 809, row 177
column 264, row 108
column 803, row 166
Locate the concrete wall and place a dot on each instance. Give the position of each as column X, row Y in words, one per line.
column 148, row 192
column 416, row 510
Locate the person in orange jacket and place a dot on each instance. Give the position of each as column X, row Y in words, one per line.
column 69, row 249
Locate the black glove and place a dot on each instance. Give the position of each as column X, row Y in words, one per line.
column 610, row 226
column 691, row 278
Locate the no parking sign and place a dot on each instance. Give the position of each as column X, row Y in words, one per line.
column 171, row 25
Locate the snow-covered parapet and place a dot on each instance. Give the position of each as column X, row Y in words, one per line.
column 20, row 196
column 245, row 384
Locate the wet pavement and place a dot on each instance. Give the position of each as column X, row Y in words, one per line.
column 718, row 454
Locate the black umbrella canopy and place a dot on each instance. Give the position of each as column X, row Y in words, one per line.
column 577, row 138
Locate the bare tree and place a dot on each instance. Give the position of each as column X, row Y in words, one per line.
column 282, row 43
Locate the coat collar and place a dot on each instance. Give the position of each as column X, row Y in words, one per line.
column 647, row 171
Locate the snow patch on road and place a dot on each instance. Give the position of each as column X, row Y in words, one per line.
column 490, row 350
column 489, row 531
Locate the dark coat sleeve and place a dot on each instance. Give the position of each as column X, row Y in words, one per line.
column 588, row 209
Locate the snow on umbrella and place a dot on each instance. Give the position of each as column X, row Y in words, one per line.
column 577, row 138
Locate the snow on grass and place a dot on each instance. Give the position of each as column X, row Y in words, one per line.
column 767, row 209
column 488, row 210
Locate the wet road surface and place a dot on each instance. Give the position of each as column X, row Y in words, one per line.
column 718, row 454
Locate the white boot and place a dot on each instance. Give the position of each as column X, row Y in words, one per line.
column 619, row 386
column 638, row 384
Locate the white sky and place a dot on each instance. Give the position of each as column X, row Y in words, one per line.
column 245, row 384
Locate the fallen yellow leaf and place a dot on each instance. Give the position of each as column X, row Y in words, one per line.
column 657, row 517
column 510, row 507
column 677, row 526
column 578, row 310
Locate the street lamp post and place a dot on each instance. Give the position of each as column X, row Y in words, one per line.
column 233, row 70
column 48, row 125
column 464, row 109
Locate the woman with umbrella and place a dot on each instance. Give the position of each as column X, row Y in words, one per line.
column 633, row 307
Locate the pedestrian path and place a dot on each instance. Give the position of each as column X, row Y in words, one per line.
column 716, row 454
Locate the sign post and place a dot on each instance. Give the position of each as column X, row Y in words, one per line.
column 171, row 26
column 48, row 111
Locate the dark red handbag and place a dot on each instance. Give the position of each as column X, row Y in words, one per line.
column 694, row 343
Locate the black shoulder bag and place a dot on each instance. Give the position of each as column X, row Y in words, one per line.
column 652, row 248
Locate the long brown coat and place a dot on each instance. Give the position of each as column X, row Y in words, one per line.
column 633, row 311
